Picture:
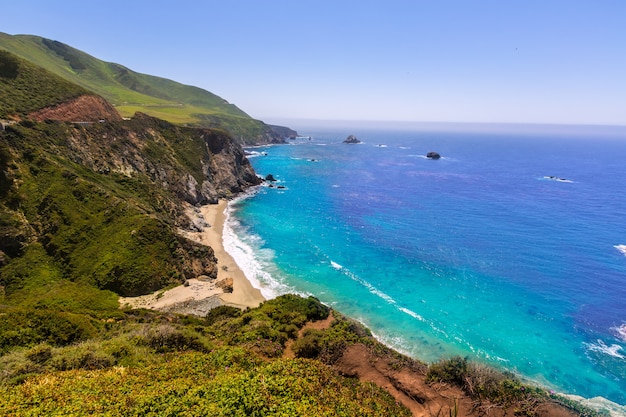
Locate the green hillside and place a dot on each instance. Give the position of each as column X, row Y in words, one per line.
column 130, row 91
column 25, row 87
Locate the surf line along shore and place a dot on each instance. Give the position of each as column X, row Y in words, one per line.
column 200, row 295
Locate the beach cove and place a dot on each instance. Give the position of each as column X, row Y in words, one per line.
column 201, row 294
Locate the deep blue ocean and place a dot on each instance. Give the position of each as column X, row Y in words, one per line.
column 508, row 249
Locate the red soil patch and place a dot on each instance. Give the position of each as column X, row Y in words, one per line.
column 409, row 387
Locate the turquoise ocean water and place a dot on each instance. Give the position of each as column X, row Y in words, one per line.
column 508, row 250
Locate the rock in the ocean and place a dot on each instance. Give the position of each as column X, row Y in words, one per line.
column 433, row 155
column 270, row 177
column 351, row 139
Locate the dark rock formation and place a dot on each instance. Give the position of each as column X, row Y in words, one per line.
column 433, row 155
column 283, row 131
column 200, row 166
column 351, row 139
column 270, row 177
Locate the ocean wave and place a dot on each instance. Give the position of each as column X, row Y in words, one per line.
column 621, row 248
column 411, row 313
column 372, row 289
column 255, row 154
column 251, row 258
column 620, row 331
column 601, row 347
column 336, row 265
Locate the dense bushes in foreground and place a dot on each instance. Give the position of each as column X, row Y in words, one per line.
column 148, row 363
column 225, row 382
column 140, row 362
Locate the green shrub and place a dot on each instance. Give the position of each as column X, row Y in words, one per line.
column 39, row 354
column 27, row 327
column 453, row 370
column 223, row 383
column 221, row 313
column 309, row 345
column 168, row 338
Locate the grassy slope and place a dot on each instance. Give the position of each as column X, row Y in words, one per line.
column 25, row 87
column 229, row 363
column 130, row 91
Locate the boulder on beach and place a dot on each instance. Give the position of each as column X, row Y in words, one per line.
column 351, row 139
column 433, row 155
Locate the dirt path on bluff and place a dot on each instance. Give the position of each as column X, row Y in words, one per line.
column 409, row 386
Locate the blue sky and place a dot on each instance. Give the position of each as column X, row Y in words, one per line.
column 532, row 61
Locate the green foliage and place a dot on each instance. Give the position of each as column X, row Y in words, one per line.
column 129, row 91
column 328, row 345
column 221, row 313
column 482, row 382
column 453, row 370
column 28, row 326
column 168, row 338
column 267, row 328
column 25, row 87
column 223, row 383
column 100, row 229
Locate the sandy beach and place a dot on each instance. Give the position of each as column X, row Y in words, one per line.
column 202, row 294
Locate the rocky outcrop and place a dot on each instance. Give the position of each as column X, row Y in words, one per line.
column 352, row 140
column 85, row 108
column 433, row 155
column 283, row 132
column 105, row 201
column 200, row 166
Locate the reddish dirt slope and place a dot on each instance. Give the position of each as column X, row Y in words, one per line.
column 409, row 387
column 88, row 108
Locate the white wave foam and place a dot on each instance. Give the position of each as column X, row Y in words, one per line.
column 253, row 262
column 601, row 347
column 599, row 404
column 336, row 265
column 621, row 248
column 411, row 313
column 620, row 331
column 255, row 154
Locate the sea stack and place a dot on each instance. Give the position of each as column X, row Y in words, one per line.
column 433, row 155
column 351, row 139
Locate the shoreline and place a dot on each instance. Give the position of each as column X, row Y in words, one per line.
column 202, row 294
column 244, row 293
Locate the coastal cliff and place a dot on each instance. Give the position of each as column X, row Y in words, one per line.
column 93, row 207
column 91, row 196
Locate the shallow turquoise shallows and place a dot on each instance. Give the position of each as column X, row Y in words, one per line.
column 509, row 249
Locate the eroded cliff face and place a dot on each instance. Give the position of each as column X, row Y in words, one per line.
column 103, row 203
column 199, row 166
column 86, row 108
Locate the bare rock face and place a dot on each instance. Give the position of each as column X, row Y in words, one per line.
column 226, row 284
column 433, row 155
column 200, row 166
column 86, row 108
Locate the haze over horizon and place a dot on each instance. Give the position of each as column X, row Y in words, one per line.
column 557, row 62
